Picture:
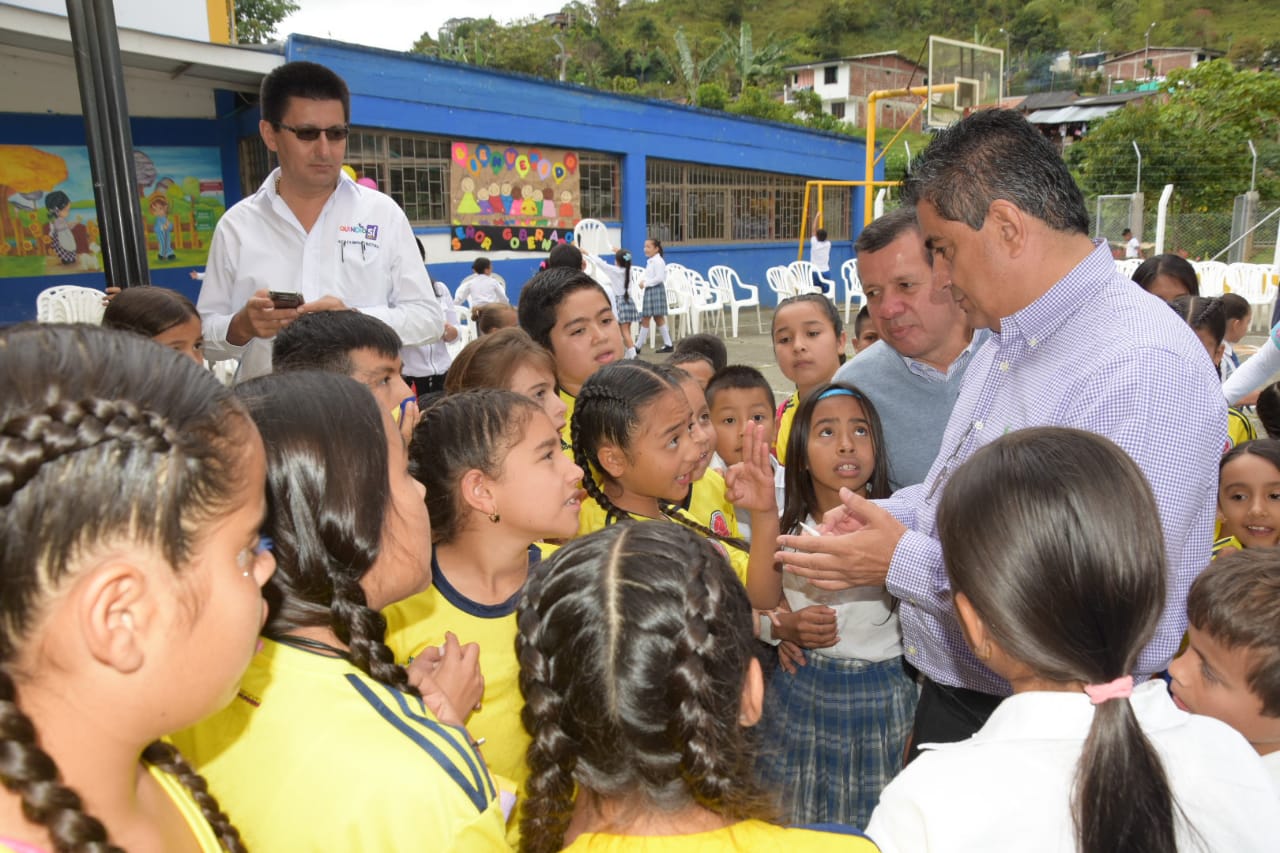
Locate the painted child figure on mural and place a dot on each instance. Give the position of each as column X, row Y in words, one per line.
column 549, row 205
column 58, row 204
column 528, row 204
column 162, row 227
column 468, row 203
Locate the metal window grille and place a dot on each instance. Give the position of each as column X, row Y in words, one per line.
column 599, row 186
column 690, row 203
column 255, row 164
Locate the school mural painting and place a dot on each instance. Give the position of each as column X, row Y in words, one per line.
column 512, row 198
column 49, row 223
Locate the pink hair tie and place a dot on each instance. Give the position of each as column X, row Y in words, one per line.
column 1121, row 688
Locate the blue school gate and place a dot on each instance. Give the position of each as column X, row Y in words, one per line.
column 716, row 188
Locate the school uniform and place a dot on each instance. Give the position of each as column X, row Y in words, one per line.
column 623, row 307
column 745, row 835
column 312, row 754
column 839, row 725
column 786, row 416
column 592, row 517
column 655, row 289
column 178, row 794
column 1010, row 786
column 422, row 620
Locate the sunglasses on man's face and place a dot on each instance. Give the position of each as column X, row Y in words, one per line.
column 311, row 134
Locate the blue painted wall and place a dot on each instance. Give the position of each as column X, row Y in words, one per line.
column 481, row 103
column 390, row 90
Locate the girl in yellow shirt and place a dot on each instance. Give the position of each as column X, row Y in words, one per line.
column 131, row 494
column 639, row 674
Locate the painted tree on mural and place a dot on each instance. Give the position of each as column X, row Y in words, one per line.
column 24, row 171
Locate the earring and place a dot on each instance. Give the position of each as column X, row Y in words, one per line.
column 494, row 517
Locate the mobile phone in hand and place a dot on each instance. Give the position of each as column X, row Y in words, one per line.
column 285, row 299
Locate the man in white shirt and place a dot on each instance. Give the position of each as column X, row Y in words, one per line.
column 1132, row 248
column 310, row 230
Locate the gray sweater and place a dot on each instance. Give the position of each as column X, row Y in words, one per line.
column 913, row 409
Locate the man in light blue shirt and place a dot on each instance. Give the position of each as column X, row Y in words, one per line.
column 912, row 375
column 1073, row 344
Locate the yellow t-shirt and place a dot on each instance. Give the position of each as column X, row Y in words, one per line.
column 708, row 505
column 570, row 403
column 314, row 755
column 1239, row 428
column 422, row 620
column 745, row 835
column 786, row 415
column 592, row 517
column 206, row 841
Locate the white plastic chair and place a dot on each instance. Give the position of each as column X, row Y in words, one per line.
column 852, row 286
column 706, row 300
column 1212, row 276
column 679, row 300
column 70, row 304
column 591, row 235
column 1255, row 282
column 1127, row 266
column 802, row 279
column 466, row 334
column 727, row 282
column 779, row 281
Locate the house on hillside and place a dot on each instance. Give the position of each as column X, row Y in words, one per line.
column 1155, row 62
column 1065, row 119
column 844, row 84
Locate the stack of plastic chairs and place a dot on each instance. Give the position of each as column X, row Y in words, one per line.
column 706, row 300
column 70, row 304
column 779, row 281
column 679, row 299
column 802, row 279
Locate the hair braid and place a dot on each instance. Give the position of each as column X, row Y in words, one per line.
column 714, row 761
column 551, row 755
column 29, row 440
column 584, row 460
column 30, row 772
column 673, row 513
column 364, row 631
column 167, row 758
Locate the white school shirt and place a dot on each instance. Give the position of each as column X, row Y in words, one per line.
column 1133, row 248
column 361, row 250
column 820, row 254
column 655, row 271
column 1272, row 762
column 866, row 620
column 480, row 289
column 432, row 359
column 1009, row 787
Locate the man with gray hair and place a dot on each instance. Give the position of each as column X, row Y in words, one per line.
column 1073, row 344
column 913, row 373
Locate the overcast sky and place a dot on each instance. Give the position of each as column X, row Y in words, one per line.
column 397, row 24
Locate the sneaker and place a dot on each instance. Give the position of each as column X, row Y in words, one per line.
column 666, row 349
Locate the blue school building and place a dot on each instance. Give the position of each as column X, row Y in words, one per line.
column 482, row 161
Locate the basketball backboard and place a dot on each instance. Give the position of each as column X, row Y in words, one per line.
column 963, row 77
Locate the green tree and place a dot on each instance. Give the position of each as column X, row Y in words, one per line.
column 1196, row 139
column 758, row 103
column 746, row 64
column 256, row 20
column 690, row 70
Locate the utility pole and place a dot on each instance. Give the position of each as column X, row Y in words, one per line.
column 1146, row 51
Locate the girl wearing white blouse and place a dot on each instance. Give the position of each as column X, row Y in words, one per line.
column 655, row 296
column 1058, row 590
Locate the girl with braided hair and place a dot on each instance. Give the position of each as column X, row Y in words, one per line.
column 633, row 436
column 496, row 483
column 640, row 680
column 131, row 495
column 330, row 745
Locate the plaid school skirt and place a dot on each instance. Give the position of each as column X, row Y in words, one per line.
column 833, row 736
column 655, row 301
column 627, row 312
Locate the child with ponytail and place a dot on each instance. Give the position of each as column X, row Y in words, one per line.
column 131, row 494
column 1058, row 591
column 640, row 680
column 329, row 743
column 496, row 483
column 632, row 435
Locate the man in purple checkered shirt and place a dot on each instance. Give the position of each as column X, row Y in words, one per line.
column 1074, row 344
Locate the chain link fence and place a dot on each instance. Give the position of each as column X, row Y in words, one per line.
column 1197, row 234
